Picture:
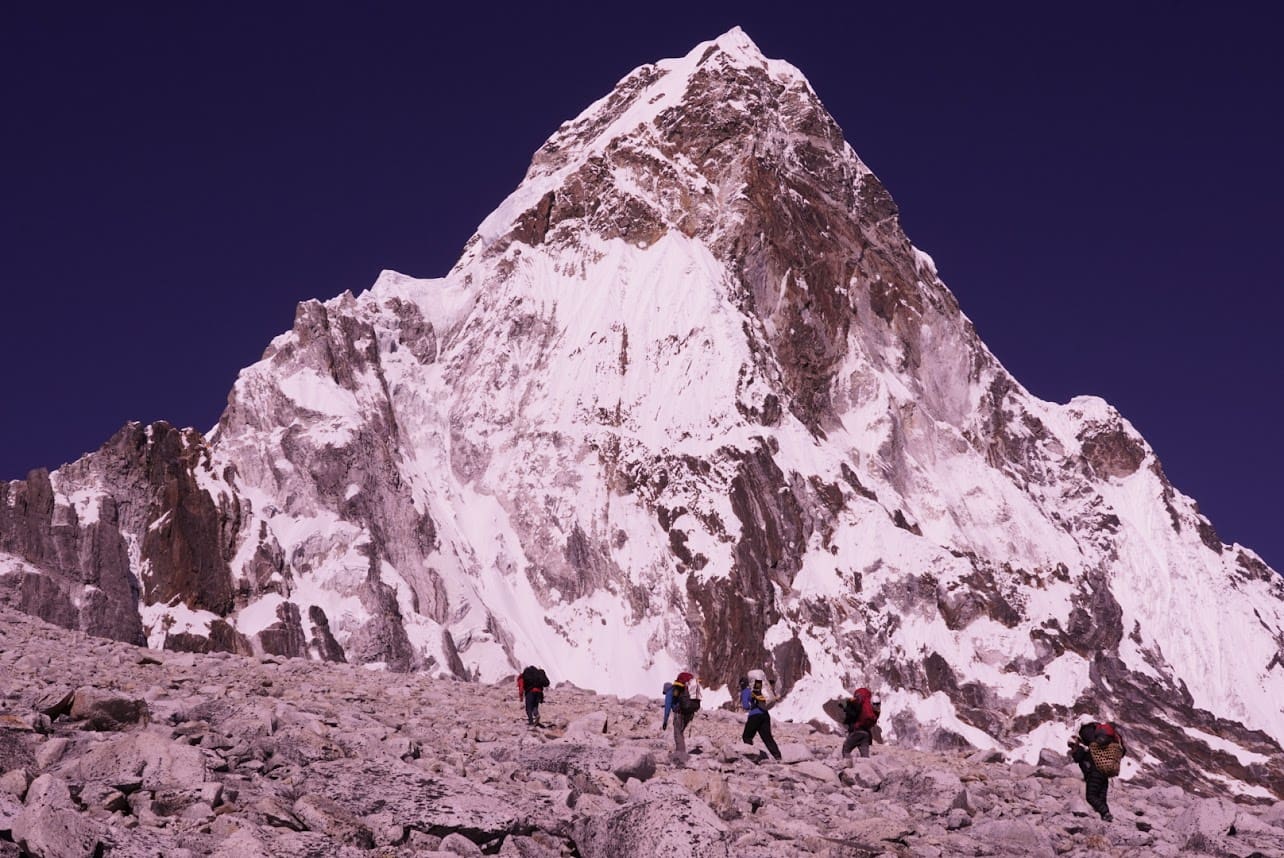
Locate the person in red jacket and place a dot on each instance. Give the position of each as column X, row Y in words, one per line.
column 860, row 714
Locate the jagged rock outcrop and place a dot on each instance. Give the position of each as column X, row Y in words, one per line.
column 690, row 398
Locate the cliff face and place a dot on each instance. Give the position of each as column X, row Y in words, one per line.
column 689, row 398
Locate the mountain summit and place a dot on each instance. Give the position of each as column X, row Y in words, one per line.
column 690, row 398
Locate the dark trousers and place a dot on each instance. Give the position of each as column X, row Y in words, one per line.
column 1096, row 786
column 533, row 699
column 857, row 739
column 760, row 725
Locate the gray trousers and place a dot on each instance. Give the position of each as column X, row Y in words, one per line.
column 679, row 731
column 857, row 739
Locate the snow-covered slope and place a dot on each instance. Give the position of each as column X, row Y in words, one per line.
column 690, row 398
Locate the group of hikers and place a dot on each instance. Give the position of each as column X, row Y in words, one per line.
column 1098, row 748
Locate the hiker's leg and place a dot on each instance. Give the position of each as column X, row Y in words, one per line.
column 679, row 728
column 765, row 731
column 751, row 729
column 863, row 739
column 1095, row 792
column 849, row 744
column 532, row 707
column 1104, row 809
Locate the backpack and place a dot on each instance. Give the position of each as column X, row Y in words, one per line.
column 534, row 679
column 1105, row 746
column 678, row 697
column 859, row 713
column 768, row 696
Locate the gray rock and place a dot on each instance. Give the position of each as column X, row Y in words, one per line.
column 15, row 783
column 669, row 820
column 565, row 758
column 933, row 790
column 1273, row 815
column 1016, row 836
column 51, row 751
column 590, row 729
column 50, row 826
column 1209, row 817
column 105, row 710
column 55, row 702
column 458, row 844
column 10, row 807
column 629, row 762
column 322, row 815
column 438, row 802
column 100, row 797
column 712, row 788
column 145, row 759
column 875, row 831
column 794, row 752
column 816, row 770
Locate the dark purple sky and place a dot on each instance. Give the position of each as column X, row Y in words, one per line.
column 1101, row 185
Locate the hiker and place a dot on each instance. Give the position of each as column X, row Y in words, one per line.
column 682, row 700
column 531, row 683
column 860, row 714
column 1098, row 750
column 756, row 699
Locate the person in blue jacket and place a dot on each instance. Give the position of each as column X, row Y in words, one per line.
column 753, row 701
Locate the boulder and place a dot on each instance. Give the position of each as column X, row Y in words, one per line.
column 15, row 783
column 712, row 789
column 105, row 710
column 817, row 770
column 50, row 826
column 590, row 729
column 1015, row 836
column 564, row 758
column 877, row 833
column 632, row 762
column 794, row 752
column 668, row 820
column 933, row 790
column 51, row 751
column 1273, row 815
column 321, row 814
column 146, row 759
column 1210, row 817
column 458, row 844
column 409, row 796
column 54, row 702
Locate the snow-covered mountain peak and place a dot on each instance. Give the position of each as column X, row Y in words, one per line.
column 665, row 147
column 690, row 398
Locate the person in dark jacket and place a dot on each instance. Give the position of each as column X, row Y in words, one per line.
column 1097, row 747
column 531, row 683
column 860, row 714
column 754, row 701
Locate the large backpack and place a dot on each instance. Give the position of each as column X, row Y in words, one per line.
column 860, row 713
column 1105, row 745
column 678, row 697
column 534, row 679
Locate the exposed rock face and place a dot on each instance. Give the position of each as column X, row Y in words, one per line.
column 276, row 756
column 690, row 398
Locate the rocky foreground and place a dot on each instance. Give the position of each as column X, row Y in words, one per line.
column 108, row 749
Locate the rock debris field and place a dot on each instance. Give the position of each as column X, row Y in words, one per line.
column 108, row 749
